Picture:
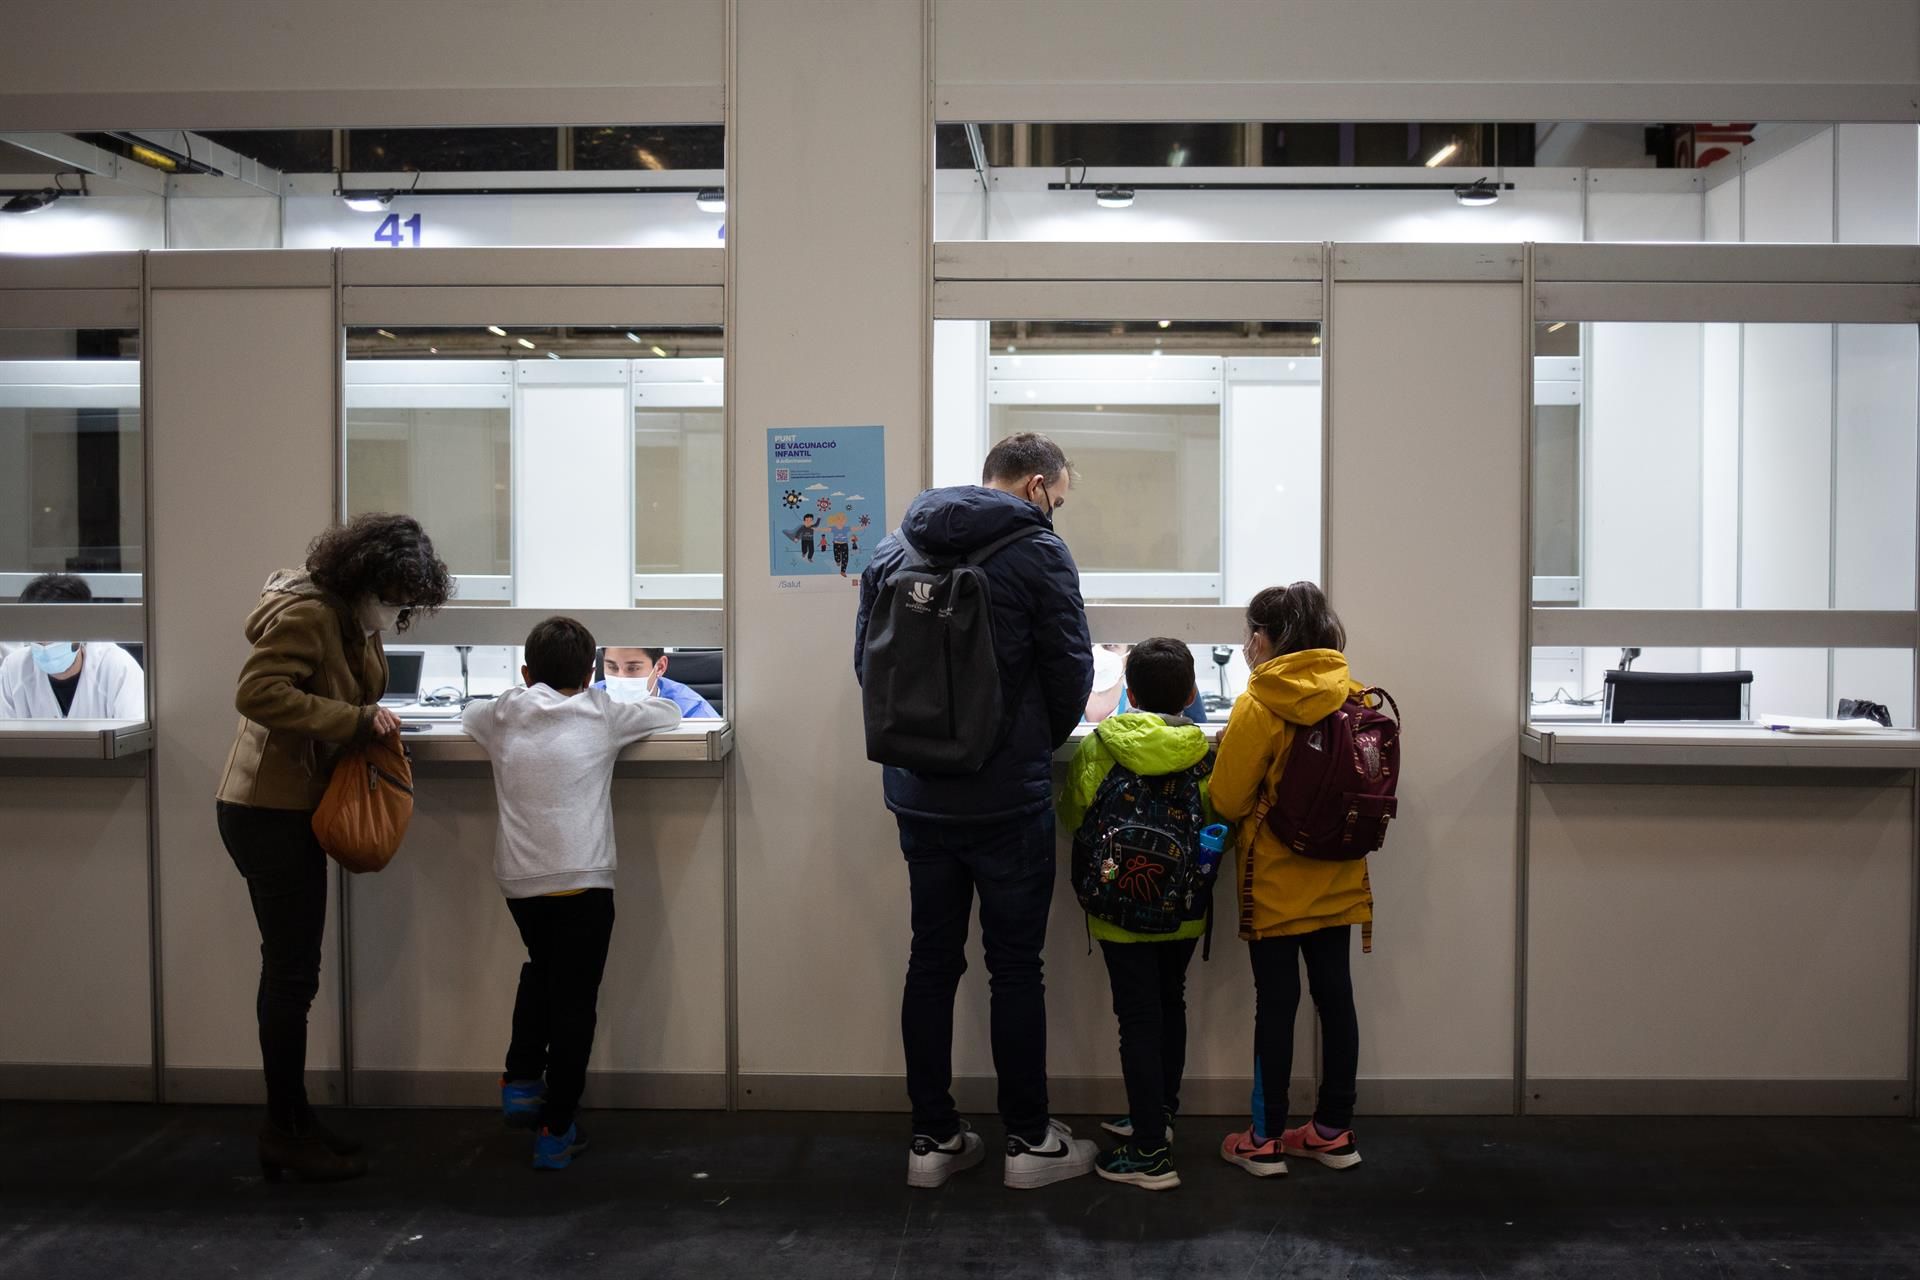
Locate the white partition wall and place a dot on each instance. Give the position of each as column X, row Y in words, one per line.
column 242, row 371
column 822, row 890
column 1425, row 566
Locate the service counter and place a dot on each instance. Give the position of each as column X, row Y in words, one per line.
column 1718, row 919
column 1560, row 743
column 694, row 742
column 74, row 739
column 74, row 910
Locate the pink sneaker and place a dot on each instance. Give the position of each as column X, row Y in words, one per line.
column 1337, row 1152
column 1261, row 1159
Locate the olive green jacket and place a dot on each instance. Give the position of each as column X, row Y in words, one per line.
column 308, row 690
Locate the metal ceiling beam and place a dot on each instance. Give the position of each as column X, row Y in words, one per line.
column 205, row 150
column 83, row 157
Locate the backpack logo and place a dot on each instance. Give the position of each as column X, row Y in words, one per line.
column 921, row 594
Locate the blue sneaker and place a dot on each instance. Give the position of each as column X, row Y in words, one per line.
column 1122, row 1126
column 1150, row 1169
column 556, row 1151
column 520, row 1102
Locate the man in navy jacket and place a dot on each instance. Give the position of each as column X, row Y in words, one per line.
column 991, row 831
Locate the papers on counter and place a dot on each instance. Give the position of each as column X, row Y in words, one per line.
column 1811, row 724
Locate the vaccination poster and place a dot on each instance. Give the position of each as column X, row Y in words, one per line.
column 827, row 497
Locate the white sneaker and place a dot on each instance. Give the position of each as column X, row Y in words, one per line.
column 930, row 1163
column 1060, row 1157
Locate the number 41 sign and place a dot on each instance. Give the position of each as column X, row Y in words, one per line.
column 394, row 232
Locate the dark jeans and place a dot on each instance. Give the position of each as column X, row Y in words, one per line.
column 1276, row 997
column 1011, row 866
column 554, row 1013
column 286, row 873
column 1149, row 981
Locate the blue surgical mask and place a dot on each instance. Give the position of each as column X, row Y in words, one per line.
column 54, row 658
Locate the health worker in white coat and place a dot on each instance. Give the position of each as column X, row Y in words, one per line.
column 68, row 679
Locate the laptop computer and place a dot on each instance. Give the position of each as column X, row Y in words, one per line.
column 403, row 678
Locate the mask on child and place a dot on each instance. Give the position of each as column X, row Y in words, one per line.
column 375, row 616
column 53, row 659
column 1108, row 668
column 629, row 688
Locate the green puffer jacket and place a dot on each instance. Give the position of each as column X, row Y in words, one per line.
column 1149, row 744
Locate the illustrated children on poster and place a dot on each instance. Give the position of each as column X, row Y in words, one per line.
column 830, row 481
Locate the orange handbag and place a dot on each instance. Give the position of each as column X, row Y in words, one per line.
column 369, row 802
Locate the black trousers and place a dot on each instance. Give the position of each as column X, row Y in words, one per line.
column 1276, row 994
column 1011, row 866
column 286, row 873
column 1149, row 981
column 556, row 1008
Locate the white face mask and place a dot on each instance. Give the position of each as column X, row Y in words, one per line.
column 1108, row 668
column 629, row 688
column 375, row 616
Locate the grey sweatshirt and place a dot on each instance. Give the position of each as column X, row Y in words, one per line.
column 553, row 771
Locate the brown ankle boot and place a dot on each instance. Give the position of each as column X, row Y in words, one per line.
column 305, row 1155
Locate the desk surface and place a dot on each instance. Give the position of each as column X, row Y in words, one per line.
column 693, row 742
column 1561, row 744
column 74, row 739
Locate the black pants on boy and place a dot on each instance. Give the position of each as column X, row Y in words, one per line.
column 1149, row 981
column 1276, row 988
column 286, row 872
column 555, row 1011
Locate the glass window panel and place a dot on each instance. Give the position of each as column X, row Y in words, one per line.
column 1148, row 494
column 1719, row 466
column 678, row 477
column 1196, row 444
column 450, row 468
column 71, row 464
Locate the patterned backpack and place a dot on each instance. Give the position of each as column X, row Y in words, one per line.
column 1136, row 857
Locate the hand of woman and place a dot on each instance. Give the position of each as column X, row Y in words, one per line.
column 385, row 722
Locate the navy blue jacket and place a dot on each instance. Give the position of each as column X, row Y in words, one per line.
column 1039, row 637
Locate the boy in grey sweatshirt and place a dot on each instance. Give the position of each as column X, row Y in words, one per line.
column 553, row 745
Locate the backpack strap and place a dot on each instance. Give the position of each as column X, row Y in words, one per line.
column 998, row 545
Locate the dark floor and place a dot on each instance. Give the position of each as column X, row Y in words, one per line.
column 127, row 1191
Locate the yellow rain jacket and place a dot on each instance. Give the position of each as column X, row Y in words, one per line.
column 1282, row 893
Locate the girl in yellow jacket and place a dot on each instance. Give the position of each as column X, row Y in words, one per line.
column 1291, row 907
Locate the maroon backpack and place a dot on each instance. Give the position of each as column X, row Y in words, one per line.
column 1335, row 796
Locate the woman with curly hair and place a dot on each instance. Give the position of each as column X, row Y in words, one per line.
column 310, row 689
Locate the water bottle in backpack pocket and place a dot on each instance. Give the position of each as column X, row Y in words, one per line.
column 1138, row 860
column 1336, row 795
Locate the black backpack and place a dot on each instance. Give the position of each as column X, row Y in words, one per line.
column 931, row 685
column 1136, row 856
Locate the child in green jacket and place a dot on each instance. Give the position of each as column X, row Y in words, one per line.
column 1148, row 972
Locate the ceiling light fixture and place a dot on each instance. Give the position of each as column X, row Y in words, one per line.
column 1165, row 324
column 367, row 201
column 387, row 333
column 711, row 200
column 523, row 342
column 1556, row 326
column 1113, row 197
column 1477, row 194
column 31, row 201
column 1443, row 155
column 632, row 336
column 553, row 355
column 1316, row 339
column 496, row 330
column 660, row 351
